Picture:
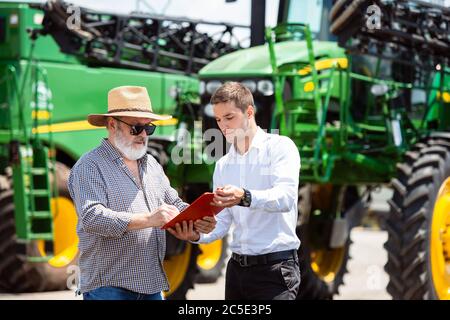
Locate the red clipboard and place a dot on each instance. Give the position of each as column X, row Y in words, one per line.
column 198, row 209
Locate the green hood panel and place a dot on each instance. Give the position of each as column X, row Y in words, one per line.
column 256, row 61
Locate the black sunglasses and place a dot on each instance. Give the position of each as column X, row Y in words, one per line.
column 137, row 129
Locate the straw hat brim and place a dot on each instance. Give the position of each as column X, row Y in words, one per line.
column 99, row 120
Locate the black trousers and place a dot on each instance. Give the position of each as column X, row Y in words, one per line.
column 278, row 280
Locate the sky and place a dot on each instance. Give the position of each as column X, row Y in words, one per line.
column 237, row 12
column 210, row 10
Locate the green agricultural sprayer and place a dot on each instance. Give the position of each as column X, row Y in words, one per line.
column 363, row 88
column 55, row 68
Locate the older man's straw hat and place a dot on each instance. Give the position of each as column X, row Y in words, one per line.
column 127, row 101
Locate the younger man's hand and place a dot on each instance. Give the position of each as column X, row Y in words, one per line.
column 205, row 225
column 227, row 196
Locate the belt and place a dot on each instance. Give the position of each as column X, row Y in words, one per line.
column 247, row 261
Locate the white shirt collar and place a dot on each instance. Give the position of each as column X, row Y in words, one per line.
column 257, row 142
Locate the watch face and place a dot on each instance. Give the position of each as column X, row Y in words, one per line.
column 246, row 199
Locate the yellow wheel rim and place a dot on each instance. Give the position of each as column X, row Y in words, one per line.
column 327, row 263
column 65, row 242
column 176, row 268
column 210, row 255
column 440, row 242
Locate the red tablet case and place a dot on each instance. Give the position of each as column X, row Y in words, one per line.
column 198, row 209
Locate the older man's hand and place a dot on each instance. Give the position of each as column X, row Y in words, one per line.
column 191, row 231
column 162, row 215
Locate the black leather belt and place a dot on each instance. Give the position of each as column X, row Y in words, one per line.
column 247, row 261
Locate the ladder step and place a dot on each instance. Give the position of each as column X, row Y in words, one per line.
column 39, row 259
column 41, row 236
column 305, row 156
column 38, row 192
column 38, row 171
column 41, row 214
column 302, row 103
column 310, row 162
column 300, row 111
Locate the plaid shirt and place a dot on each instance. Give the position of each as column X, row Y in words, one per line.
column 106, row 195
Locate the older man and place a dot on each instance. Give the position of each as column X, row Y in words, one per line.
column 123, row 197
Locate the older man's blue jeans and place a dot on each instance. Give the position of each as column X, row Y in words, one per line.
column 114, row 293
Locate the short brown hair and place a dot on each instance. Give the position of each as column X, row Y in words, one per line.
column 233, row 92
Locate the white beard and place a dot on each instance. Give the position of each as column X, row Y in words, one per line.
column 128, row 150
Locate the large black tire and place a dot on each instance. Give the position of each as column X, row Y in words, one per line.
column 416, row 186
column 189, row 276
column 16, row 273
column 314, row 286
column 213, row 274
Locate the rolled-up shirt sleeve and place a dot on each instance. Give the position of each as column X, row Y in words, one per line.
column 284, row 171
column 88, row 191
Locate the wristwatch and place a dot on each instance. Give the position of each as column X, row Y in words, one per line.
column 246, row 199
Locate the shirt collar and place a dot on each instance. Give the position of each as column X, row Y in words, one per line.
column 257, row 142
column 110, row 150
column 258, row 139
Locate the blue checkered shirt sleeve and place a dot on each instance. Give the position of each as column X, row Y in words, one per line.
column 89, row 194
